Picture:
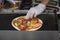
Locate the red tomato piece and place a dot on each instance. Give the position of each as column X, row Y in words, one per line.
column 21, row 20
column 23, row 26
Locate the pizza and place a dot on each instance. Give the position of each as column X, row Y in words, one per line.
column 27, row 25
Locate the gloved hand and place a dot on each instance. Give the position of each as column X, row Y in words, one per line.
column 34, row 11
column 11, row 1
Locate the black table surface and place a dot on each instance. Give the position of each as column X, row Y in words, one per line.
column 49, row 21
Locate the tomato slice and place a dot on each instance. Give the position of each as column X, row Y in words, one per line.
column 21, row 20
column 23, row 27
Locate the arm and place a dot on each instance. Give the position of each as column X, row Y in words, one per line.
column 45, row 2
column 34, row 11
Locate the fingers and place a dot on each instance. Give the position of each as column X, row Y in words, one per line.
column 35, row 15
column 33, row 12
column 30, row 14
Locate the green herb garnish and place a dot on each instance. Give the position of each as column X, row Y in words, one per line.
column 28, row 24
column 16, row 21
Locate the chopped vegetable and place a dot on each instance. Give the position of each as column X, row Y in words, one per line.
column 16, row 21
column 28, row 24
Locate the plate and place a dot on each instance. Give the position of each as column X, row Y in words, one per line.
column 26, row 30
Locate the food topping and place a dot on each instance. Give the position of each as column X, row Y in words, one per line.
column 23, row 24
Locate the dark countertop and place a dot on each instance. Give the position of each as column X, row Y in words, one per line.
column 59, row 16
column 49, row 20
